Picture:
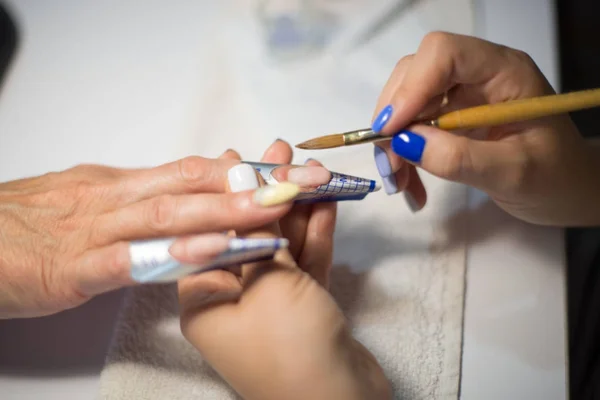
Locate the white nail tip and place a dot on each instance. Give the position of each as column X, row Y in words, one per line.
column 242, row 177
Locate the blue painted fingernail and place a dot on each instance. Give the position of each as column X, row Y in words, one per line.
column 382, row 119
column 409, row 146
column 385, row 170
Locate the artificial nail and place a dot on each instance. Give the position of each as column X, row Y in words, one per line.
column 412, row 203
column 201, row 248
column 382, row 162
column 382, row 119
column 242, row 177
column 276, row 194
column 153, row 261
column 384, row 167
column 309, row 176
column 389, row 184
column 409, row 146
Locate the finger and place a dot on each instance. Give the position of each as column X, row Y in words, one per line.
column 104, row 269
column 188, row 175
column 444, row 60
column 393, row 83
column 280, row 152
column 309, row 176
column 230, row 154
column 457, row 158
column 244, row 175
column 317, row 252
column 169, row 215
column 293, row 225
column 391, row 168
column 415, row 193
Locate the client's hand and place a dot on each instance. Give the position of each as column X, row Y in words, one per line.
column 65, row 236
column 274, row 331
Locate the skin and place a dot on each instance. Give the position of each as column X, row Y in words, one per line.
column 65, row 235
column 274, row 331
column 540, row 171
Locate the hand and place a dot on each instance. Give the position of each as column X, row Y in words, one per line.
column 275, row 332
column 65, row 235
column 539, row 171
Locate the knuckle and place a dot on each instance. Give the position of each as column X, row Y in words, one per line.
column 404, row 61
column 521, row 174
column 191, row 169
column 524, row 58
column 456, row 159
column 57, row 291
column 437, row 40
column 532, row 79
column 116, row 264
column 93, row 172
column 160, row 214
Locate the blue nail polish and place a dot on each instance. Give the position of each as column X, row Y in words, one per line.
column 382, row 162
column 409, row 146
column 382, row 119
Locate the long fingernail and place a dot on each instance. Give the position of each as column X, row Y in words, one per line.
column 242, row 177
column 409, row 146
column 153, row 261
column 382, row 119
column 412, row 203
column 384, row 167
column 309, row 176
column 200, row 248
column 273, row 195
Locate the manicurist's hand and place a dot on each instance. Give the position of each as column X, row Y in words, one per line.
column 273, row 331
column 540, row 171
column 65, row 236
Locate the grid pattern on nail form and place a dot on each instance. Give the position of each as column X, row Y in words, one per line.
column 341, row 184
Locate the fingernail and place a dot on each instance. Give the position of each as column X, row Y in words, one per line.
column 242, row 177
column 167, row 260
column 382, row 119
column 201, row 248
column 308, row 159
column 384, row 167
column 412, row 203
column 382, row 162
column 309, row 176
column 409, row 146
column 276, row 194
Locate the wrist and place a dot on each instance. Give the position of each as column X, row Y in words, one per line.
column 351, row 373
column 342, row 369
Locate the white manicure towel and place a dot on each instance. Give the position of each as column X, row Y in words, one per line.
column 399, row 276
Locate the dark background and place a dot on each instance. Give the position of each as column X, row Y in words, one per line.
column 579, row 40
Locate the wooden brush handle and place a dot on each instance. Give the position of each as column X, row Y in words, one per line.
column 519, row 110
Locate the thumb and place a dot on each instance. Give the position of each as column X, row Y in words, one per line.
column 456, row 158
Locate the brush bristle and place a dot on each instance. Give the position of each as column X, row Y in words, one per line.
column 323, row 142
